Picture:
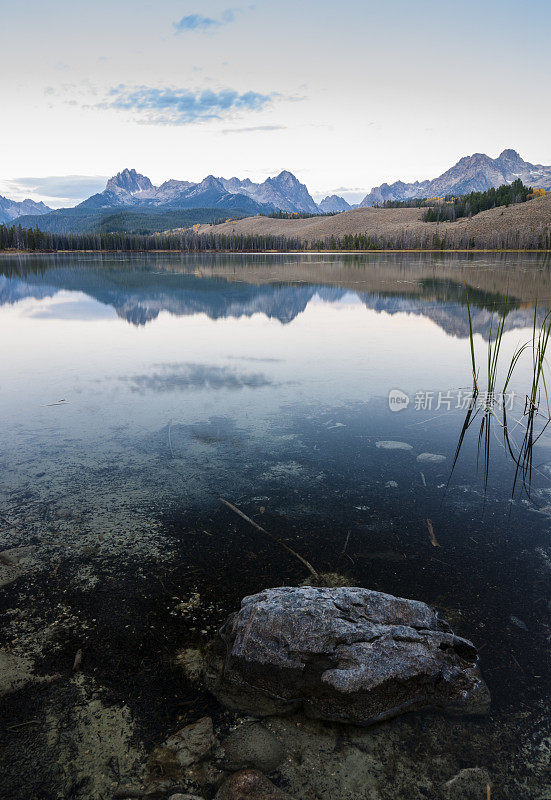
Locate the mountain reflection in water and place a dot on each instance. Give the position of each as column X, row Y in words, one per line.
column 140, row 288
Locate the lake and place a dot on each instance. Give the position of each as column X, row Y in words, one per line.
column 323, row 395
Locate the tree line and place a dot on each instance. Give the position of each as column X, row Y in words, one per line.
column 16, row 238
column 297, row 214
column 470, row 204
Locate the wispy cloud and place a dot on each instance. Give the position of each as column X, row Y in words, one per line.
column 197, row 23
column 54, row 190
column 169, row 106
column 63, row 186
column 255, row 129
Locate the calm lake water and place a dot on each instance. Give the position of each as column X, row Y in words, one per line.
column 323, row 395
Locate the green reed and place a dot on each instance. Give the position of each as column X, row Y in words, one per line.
column 490, row 411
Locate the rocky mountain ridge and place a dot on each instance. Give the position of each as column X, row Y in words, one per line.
column 281, row 193
column 334, row 204
column 11, row 209
column 475, row 173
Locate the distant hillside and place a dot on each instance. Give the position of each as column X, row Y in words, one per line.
column 124, row 220
column 474, row 173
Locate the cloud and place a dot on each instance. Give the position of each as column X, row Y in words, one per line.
column 352, row 194
column 54, row 190
column 169, row 106
column 197, row 23
column 255, row 129
column 196, row 376
column 71, row 187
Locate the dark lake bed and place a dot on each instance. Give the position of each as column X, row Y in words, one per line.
column 137, row 391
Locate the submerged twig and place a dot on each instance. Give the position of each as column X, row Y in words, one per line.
column 306, row 563
column 78, row 661
column 433, row 540
column 170, row 439
column 345, row 544
column 22, row 724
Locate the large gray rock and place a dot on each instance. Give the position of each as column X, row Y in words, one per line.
column 346, row 654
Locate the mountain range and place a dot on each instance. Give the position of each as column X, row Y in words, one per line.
column 10, row 209
column 131, row 202
column 282, row 193
column 475, row 173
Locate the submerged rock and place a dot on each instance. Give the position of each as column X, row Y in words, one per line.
column 184, row 797
column 430, row 458
column 390, row 445
column 192, row 743
column 469, row 784
column 347, row 655
column 251, row 745
column 250, row 785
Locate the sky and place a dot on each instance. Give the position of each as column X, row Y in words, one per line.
column 345, row 95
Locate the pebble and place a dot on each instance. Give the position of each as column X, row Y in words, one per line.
column 251, row 745
column 184, row 797
column 518, row 622
column 249, row 784
column 193, row 742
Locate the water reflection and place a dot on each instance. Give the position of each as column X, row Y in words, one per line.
column 266, row 380
column 180, row 377
column 140, row 288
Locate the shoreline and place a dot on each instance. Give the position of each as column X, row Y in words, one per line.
column 274, row 252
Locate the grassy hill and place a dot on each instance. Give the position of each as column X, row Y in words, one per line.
column 486, row 229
